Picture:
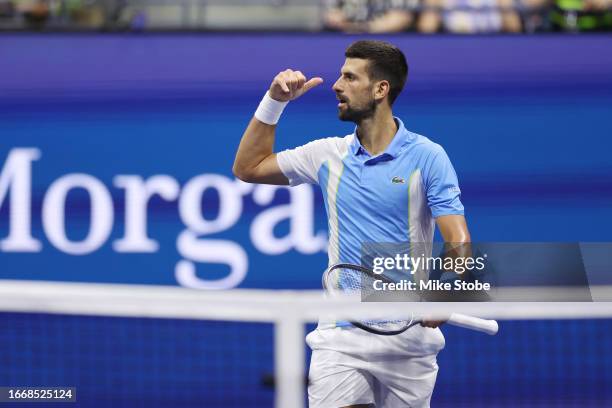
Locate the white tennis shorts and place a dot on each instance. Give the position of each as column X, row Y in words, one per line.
column 351, row 366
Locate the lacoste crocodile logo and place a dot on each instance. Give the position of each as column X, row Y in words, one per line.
column 398, row 180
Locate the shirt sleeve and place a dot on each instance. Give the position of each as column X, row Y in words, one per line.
column 301, row 165
column 442, row 186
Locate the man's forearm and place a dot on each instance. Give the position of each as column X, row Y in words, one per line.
column 457, row 240
column 255, row 160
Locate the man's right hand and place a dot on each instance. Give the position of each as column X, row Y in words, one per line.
column 289, row 85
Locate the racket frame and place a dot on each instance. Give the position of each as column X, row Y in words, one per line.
column 371, row 274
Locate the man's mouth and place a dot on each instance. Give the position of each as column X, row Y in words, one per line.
column 341, row 101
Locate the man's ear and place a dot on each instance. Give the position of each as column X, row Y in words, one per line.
column 381, row 90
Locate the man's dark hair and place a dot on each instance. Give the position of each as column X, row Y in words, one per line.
column 385, row 61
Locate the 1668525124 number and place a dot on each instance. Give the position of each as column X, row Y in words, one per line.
column 37, row 394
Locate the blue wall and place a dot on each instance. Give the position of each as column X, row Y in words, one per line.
column 525, row 120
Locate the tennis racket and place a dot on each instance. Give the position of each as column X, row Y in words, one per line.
column 347, row 279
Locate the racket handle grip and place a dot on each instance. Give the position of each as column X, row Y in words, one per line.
column 474, row 323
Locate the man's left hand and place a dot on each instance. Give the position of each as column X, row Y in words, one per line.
column 432, row 323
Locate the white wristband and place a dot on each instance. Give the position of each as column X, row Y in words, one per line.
column 269, row 110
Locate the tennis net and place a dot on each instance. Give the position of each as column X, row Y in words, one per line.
column 150, row 346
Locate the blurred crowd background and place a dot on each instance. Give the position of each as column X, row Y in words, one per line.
column 351, row 16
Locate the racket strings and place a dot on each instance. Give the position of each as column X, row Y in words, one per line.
column 354, row 282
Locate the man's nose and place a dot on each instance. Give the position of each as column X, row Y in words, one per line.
column 336, row 87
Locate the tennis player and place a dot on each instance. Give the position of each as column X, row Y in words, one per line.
column 382, row 183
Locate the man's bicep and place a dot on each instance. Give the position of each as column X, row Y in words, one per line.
column 269, row 172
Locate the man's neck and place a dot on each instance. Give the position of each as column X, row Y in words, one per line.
column 376, row 133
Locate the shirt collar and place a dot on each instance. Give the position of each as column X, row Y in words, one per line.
column 401, row 138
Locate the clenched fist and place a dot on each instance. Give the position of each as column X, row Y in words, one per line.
column 289, row 85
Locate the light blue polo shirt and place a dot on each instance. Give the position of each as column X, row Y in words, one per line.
column 393, row 197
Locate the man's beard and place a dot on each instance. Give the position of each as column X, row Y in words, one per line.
column 357, row 115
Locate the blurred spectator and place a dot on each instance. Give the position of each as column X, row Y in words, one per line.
column 370, row 16
column 86, row 14
column 35, row 12
column 535, row 14
column 469, row 16
column 582, row 15
column 73, row 14
column 7, row 9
